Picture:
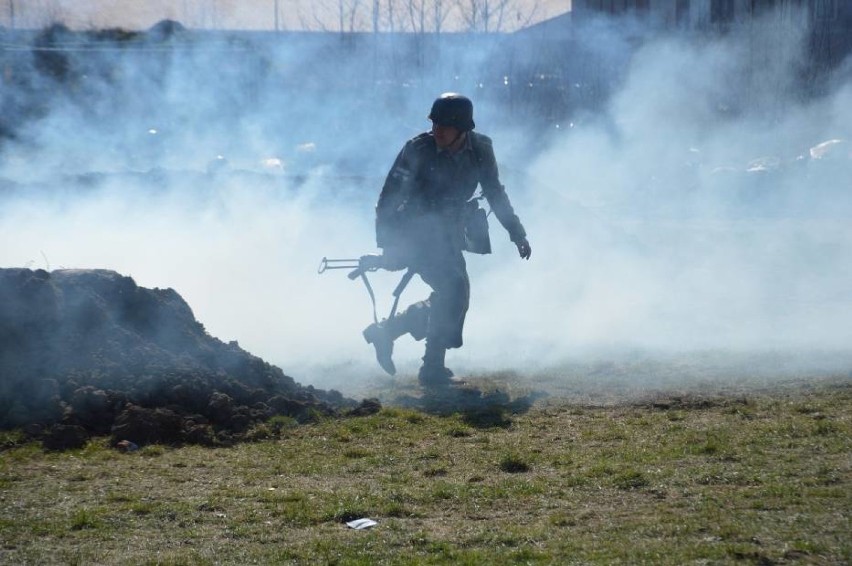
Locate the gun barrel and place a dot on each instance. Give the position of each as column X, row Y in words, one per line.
column 327, row 263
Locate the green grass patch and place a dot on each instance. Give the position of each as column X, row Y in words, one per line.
column 85, row 518
column 683, row 481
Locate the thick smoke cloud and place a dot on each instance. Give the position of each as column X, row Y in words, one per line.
column 691, row 215
column 686, row 215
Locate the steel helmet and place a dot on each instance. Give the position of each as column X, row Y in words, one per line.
column 453, row 109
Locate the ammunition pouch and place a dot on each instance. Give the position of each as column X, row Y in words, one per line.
column 475, row 220
column 405, row 229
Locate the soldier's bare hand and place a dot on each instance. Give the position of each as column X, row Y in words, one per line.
column 524, row 249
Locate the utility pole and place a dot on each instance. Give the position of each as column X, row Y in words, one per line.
column 277, row 28
column 12, row 14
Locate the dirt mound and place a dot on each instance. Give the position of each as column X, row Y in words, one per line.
column 88, row 352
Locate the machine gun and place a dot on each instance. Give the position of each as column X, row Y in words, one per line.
column 359, row 269
column 360, row 266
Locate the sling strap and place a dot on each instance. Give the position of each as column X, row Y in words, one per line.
column 371, row 293
column 397, row 292
column 403, row 283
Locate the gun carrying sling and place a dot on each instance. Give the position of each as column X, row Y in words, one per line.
column 359, row 270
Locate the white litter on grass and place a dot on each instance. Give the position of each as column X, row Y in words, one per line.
column 359, row 524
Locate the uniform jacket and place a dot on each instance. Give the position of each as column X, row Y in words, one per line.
column 425, row 183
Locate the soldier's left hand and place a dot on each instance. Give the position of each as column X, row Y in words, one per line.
column 524, row 249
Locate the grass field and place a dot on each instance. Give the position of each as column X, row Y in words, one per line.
column 711, row 472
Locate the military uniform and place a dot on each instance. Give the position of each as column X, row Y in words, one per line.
column 420, row 220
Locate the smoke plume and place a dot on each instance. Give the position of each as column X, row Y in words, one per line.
column 687, row 212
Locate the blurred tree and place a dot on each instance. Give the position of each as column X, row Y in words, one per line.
column 426, row 16
column 490, row 16
column 420, row 16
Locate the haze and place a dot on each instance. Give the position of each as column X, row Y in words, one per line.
column 664, row 223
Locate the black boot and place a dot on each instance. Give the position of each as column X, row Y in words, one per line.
column 381, row 335
column 381, row 338
column 433, row 373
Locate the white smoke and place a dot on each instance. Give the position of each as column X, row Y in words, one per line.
column 689, row 217
column 681, row 218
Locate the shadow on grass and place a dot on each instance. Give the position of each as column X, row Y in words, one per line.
column 478, row 408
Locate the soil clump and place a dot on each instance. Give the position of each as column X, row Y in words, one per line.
column 89, row 352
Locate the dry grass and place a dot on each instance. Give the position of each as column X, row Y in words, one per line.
column 755, row 474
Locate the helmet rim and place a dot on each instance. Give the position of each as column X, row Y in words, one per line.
column 453, row 110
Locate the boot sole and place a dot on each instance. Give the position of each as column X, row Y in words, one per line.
column 388, row 365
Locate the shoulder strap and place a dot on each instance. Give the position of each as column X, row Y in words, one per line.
column 477, row 150
column 476, row 146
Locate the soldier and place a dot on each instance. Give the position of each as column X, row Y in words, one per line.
column 420, row 224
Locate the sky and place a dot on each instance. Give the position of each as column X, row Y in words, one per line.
column 231, row 14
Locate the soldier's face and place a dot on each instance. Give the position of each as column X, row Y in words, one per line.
column 444, row 135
